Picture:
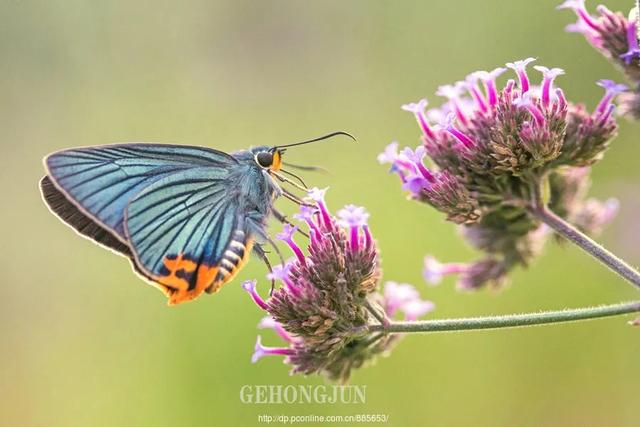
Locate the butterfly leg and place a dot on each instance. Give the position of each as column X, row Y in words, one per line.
column 283, row 219
column 262, row 254
column 295, row 199
column 275, row 248
column 256, row 227
column 288, row 181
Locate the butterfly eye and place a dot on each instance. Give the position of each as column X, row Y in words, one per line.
column 264, row 159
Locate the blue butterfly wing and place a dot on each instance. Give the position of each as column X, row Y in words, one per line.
column 71, row 215
column 100, row 181
column 187, row 232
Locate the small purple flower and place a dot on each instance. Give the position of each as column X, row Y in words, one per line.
column 416, row 308
column 405, row 298
column 416, row 159
column 454, row 94
column 269, row 322
column 472, row 87
column 581, row 11
column 282, row 272
column 415, row 183
column 610, row 210
column 453, row 91
column 434, row 271
column 467, row 107
column 308, row 214
column 250, row 286
column 353, row 217
column 317, row 195
column 481, row 273
column 415, row 156
column 525, row 102
column 520, row 67
column 398, row 294
column 579, row 27
column 632, row 41
column 456, row 133
column 548, row 76
column 390, row 154
column 611, row 90
column 604, row 118
column 259, row 351
column 417, row 108
column 287, row 232
column 488, row 79
column 436, row 115
column 593, row 215
column 561, row 99
column 286, row 235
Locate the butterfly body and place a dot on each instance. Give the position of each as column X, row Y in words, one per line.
column 187, row 217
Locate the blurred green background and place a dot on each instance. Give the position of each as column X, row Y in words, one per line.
column 86, row 343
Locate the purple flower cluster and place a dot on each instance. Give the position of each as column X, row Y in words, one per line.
column 616, row 37
column 328, row 296
column 489, row 146
column 610, row 32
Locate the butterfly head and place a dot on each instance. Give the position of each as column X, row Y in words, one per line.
column 269, row 158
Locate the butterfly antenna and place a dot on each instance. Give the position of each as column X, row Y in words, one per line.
column 320, row 138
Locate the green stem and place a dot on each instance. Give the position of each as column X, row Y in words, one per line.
column 509, row 321
column 541, row 211
column 589, row 245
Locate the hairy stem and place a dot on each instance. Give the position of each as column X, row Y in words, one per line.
column 540, row 210
column 509, row 321
column 377, row 313
column 590, row 246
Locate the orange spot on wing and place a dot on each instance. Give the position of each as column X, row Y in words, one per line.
column 177, row 288
column 171, row 279
column 205, row 277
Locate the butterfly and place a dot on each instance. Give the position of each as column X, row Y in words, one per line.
column 187, row 217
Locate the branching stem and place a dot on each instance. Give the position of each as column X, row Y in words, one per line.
column 508, row 321
column 590, row 246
